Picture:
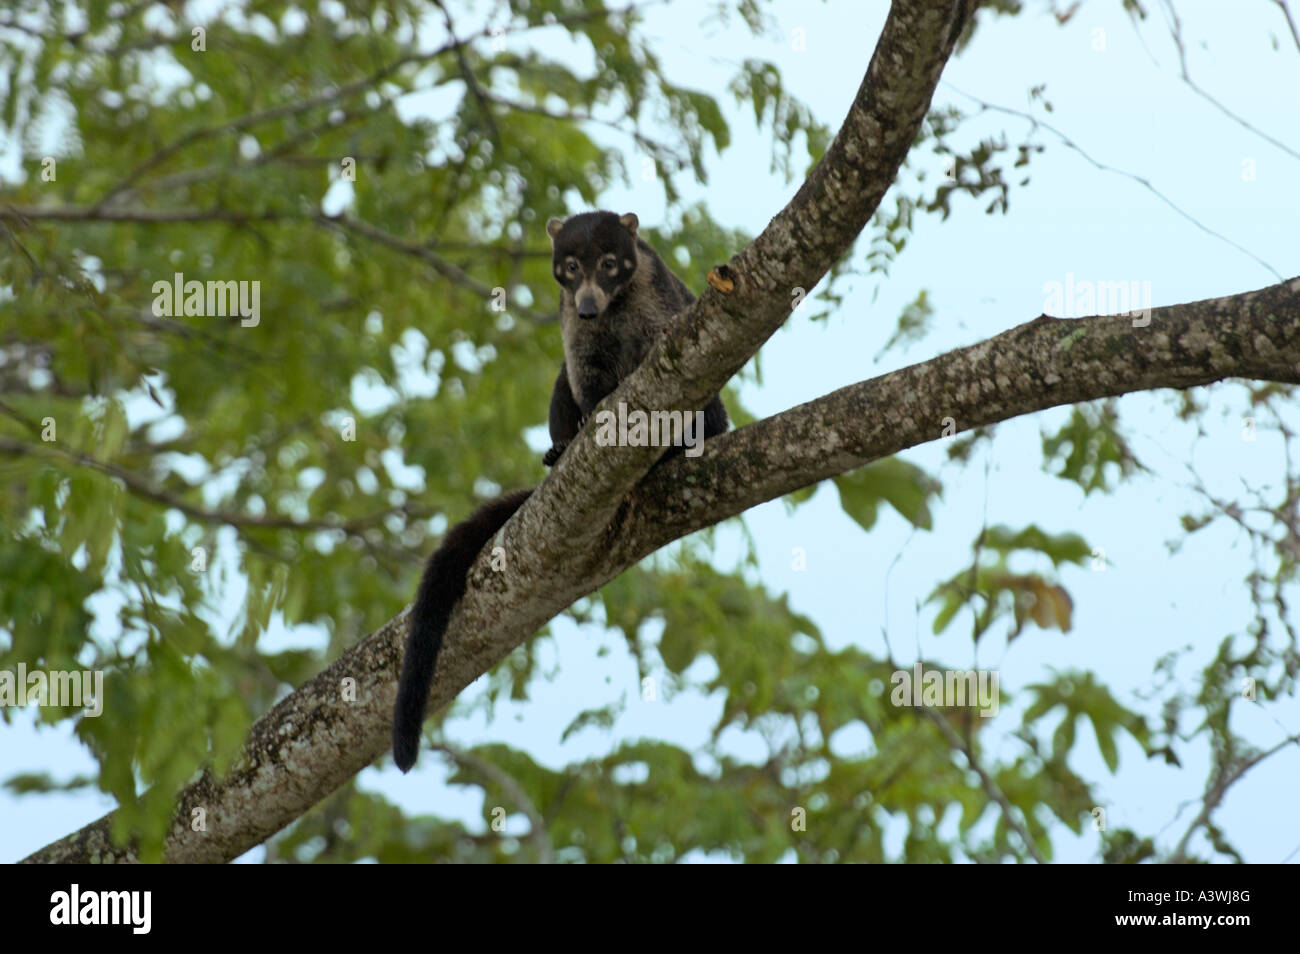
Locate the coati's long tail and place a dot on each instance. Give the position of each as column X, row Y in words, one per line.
column 442, row 585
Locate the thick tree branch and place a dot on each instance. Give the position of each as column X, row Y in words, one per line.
column 1043, row 363
column 751, row 297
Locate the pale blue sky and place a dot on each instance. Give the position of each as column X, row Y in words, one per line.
column 1127, row 108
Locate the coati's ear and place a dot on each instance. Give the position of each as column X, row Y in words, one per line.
column 629, row 222
column 553, row 227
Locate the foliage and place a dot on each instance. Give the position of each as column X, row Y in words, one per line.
column 1000, row 592
column 156, row 469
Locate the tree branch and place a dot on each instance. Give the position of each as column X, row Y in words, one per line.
column 990, row 786
column 538, row 832
column 327, row 97
column 468, row 74
column 751, row 297
column 1225, row 778
column 1176, row 33
column 1143, row 181
column 142, row 487
column 343, row 223
column 1290, row 21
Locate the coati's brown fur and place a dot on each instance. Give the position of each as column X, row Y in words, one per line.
column 616, row 296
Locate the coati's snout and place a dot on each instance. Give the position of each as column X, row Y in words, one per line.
column 591, row 301
column 594, row 259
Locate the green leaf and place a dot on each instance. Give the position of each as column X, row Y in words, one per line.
column 906, row 487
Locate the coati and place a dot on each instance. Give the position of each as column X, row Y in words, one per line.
column 616, row 296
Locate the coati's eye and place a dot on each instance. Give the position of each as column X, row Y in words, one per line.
column 571, row 267
column 609, row 263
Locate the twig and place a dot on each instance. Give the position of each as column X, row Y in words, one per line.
column 539, row 833
column 1141, row 180
column 325, row 98
column 99, row 213
column 142, row 487
column 1290, row 21
column 1218, row 789
column 986, row 780
column 1176, row 31
column 468, row 74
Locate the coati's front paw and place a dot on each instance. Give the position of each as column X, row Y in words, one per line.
column 552, row 455
column 559, row 447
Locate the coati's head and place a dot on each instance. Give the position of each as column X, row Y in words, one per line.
column 595, row 258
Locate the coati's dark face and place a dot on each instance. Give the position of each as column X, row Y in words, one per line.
column 595, row 258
